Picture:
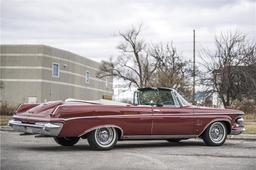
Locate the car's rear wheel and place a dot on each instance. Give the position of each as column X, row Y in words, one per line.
column 103, row 138
column 215, row 134
column 66, row 141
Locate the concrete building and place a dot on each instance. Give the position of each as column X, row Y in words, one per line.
column 38, row 73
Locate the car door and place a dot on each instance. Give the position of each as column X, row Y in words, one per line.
column 136, row 120
column 172, row 119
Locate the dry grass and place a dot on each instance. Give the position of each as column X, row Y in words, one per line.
column 250, row 127
column 250, row 117
column 250, row 123
column 4, row 120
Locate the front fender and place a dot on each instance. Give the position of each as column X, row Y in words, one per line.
column 227, row 121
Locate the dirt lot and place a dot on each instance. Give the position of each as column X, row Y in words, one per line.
column 27, row 152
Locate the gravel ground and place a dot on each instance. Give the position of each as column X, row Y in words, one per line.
column 27, row 153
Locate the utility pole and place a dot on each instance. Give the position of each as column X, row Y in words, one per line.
column 194, row 67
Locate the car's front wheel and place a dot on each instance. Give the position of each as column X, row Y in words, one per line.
column 103, row 138
column 215, row 134
column 66, row 141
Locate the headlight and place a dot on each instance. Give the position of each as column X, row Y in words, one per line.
column 240, row 121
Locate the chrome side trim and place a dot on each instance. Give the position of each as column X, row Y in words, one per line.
column 154, row 115
column 102, row 126
column 158, row 136
column 111, row 116
column 104, row 116
column 210, row 113
column 38, row 119
column 214, row 120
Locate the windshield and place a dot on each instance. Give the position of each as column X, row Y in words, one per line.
column 181, row 99
column 155, row 97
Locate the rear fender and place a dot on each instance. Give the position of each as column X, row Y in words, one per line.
column 25, row 107
column 120, row 133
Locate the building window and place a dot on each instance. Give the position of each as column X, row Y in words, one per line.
column 87, row 77
column 32, row 100
column 55, row 70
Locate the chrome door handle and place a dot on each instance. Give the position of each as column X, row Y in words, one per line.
column 156, row 110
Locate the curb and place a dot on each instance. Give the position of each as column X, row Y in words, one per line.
column 242, row 137
column 6, row 128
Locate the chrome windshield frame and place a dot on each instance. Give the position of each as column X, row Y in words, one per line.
column 181, row 99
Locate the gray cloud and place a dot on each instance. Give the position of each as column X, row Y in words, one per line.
column 89, row 27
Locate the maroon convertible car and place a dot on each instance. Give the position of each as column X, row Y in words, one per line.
column 156, row 113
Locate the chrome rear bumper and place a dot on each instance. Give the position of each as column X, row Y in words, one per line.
column 42, row 128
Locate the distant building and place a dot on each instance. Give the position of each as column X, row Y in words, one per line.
column 38, row 73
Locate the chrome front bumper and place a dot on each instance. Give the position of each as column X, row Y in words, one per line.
column 42, row 128
column 237, row 131
column 238, row 127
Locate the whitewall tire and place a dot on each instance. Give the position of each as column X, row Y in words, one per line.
column 215, row 134
column 103, row 138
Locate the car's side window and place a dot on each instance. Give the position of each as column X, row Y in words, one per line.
column 149, row 97
column 166, row 97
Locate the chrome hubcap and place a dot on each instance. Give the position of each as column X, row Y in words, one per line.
column 104, row 136
column 217, row 132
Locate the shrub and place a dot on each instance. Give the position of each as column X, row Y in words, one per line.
column 248, row 106
column 6, row 109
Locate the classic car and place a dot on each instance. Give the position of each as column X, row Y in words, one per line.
column 156, row 113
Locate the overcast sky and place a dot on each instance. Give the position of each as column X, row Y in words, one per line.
column 90, row 27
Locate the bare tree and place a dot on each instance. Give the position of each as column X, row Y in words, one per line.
column 231, row 68
column 172, row 71
column 134, row 63
column 142, row 65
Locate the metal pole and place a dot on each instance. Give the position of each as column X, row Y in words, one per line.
column 194, row 67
